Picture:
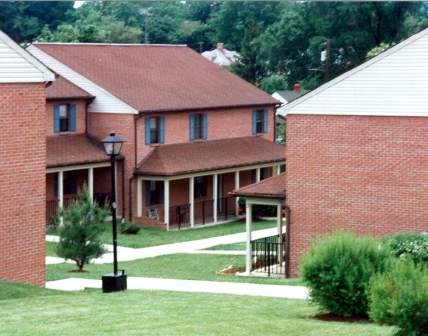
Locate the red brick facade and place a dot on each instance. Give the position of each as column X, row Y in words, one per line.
column 23, row 169
column 364, row 174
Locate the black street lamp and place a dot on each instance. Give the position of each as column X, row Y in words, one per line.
column 115, row 281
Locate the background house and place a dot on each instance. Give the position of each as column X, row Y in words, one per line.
column 357, row 154
column 23, row 148
column 221, row 56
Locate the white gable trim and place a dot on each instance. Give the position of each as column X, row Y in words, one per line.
column 104, row 101
column 15, row 75
column 296, row 107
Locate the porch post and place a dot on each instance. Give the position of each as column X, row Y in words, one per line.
column 60, row 194
column 192, row 201
column 279, row 223
column 139, row 196
column 248, row 224
column 166, row 202
column 215, row 197
column 91, row 182
column 257, row 174
column 236, row 188
column 278, row 169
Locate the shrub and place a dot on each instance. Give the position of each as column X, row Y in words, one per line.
column 337, row 270
column 129, row 228
column 409, row 245
column 400, row 297
column 84, row 221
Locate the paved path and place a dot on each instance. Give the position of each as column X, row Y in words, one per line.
column 193, row 286
column 128, row 254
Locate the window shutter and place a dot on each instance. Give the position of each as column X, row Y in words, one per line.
column 148, row 194
column 161, row 130
column 72, row 125
column 265, row 121
column 147, row 130
column 204, row 126
column 56, row 118
column 192, row 127
column 254, row 131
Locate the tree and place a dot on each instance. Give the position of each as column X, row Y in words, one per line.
column 84, row 221
column 273, row 83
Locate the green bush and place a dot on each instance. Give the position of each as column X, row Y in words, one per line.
column 409, row 245
column 129, row 228
column 400, row 297
column 84, row 221
column 337, row 269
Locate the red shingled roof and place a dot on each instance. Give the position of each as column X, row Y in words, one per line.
column 158, row 77
column 177, row 159
column 273, row 187
column 61, row 88
column 73, row 149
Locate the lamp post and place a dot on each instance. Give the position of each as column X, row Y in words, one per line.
column 114, row 281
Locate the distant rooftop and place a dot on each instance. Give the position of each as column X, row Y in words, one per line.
column 221, row 55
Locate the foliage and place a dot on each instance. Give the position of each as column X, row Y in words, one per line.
column 126, row 227
column 273, row 83
column 84, row 221
column 400, row 297
column 413, row 246
column 10, row 290
column 338, row 268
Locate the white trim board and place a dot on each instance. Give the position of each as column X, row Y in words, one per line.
column 104, row 102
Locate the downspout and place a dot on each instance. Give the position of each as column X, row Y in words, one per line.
column 135, row 167
column 274, row 122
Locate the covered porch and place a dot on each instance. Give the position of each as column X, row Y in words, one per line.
column 175, row 193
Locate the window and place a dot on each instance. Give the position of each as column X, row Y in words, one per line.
column 260, row 121
column 200, row 186
column 154, row 192
column 64, row 118
column 198, row 126
column 155, row 130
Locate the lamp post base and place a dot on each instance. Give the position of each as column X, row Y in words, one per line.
column 114, row 282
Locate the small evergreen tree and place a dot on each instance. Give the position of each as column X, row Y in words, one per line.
column 84, row 221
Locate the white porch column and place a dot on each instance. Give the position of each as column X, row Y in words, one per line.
column 257, row 174
column 277, row 170
column 192, row 201
column 166, row 202
column 215, row 197
column 60, row 194
column 279, row 223
column 248, row 224
column 139, row 196
column 91, row 182
column 236, row 188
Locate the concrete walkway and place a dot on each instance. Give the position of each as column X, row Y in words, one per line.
column 193, row 286
column 128, row 254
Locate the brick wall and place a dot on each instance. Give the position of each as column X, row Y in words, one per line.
column 22, row 187
column 364, row 174
column 80, row 115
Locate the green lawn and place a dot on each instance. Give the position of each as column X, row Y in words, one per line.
column 177, row 266
column 9, row 290
column 51, row 249
column 131, row 313
column 152, row 237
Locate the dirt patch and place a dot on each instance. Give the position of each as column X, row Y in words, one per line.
column 334, row 318
column 230, row 270
column 77, row 271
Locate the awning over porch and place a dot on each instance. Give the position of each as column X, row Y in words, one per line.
column 74, row 149
column 186, row 158
column 271, row 188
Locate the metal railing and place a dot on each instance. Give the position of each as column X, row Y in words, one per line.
column 269, row 255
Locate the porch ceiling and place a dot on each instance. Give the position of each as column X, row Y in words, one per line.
column 272, row 188
column 73, row 149
column 185, row 158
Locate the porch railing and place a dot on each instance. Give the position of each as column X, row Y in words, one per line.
column 269, row 255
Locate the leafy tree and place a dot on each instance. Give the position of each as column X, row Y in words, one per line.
column 84, row 221
column 273, row 83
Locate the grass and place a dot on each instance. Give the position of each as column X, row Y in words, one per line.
column 51, row 249
column 230, row 247
column 177, row 266
column 151, row 236
column 9, row 291
column 134, row 313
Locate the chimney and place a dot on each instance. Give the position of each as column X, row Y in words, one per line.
column 297, row 88
column 220, row 46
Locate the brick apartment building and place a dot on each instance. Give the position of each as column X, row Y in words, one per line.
column 23, row 169
column 193, row 131
column 357, row 153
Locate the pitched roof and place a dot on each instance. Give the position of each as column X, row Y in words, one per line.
column 64, row 89
column 157, row 77
column 18, row 66
column 393, row 83
column 177, row 159
column 73, row 149
column 272, row 187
